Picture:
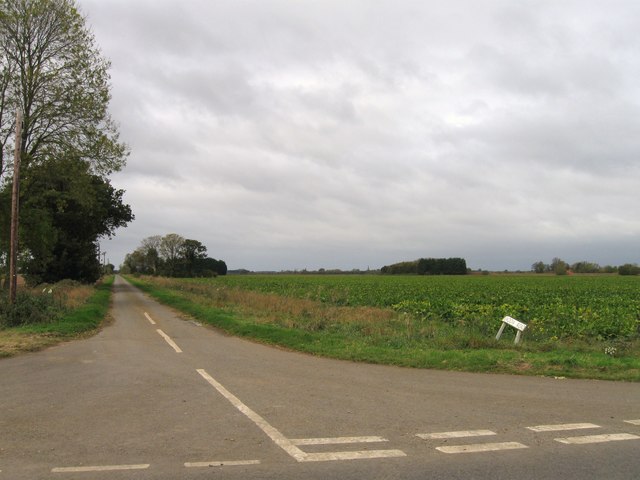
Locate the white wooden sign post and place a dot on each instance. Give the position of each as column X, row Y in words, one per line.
column 515, row 324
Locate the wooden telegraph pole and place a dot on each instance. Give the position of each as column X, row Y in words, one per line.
column 15, row 208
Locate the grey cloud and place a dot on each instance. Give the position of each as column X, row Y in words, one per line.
column 290, row 134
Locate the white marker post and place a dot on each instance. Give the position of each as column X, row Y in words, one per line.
column 515, row 324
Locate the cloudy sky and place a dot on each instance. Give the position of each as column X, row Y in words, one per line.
column 291, row 134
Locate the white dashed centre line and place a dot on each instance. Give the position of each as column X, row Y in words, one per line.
column 460, row 434
column 169, row 341
column 613, row 437
column 633, row 422
column 149, row 318
column 563, row 427
column 103, row 468
column 234, row 463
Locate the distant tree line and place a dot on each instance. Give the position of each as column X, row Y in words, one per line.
column 560, row 267
column 172, row 256
column 428, row 266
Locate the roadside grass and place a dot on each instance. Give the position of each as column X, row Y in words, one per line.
column 84, row 310
column 385, row 336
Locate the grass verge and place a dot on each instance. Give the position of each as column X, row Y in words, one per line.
column 301, row 325
column 81, row 320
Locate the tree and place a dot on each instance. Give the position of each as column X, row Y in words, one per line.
column 586, row 267
column 179, row 257
column 559, row 266
column 66, row 210
column 208, row 267
column 134, row 262
column 170, row 249
column 192, row 252
column 53, row 71
column 150, row 248
column 428, row 266
column 539, row 267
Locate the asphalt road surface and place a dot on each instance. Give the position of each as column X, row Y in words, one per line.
column 154, row 396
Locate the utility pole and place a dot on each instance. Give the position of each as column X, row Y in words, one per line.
column 15, row 209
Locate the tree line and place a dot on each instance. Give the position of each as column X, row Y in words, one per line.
column 428, row 266
column 560, row 267
column 172, row 256
column 52, row 71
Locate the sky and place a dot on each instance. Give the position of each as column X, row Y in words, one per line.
column 293, row 134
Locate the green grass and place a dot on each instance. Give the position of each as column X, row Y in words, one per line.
column 78, row 322
column 382, row 335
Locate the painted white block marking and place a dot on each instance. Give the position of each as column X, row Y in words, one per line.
column 336, row 440
column 360, row 455
column 288, row 445
column 149, row 318
column 563, row 427
column 633, row 422
column 460, row 434
column 103, row 468
column 169, row 341
column 236, row 463
column 613, row 437
column 481, row 447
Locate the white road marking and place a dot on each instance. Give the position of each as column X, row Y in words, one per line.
column 613, row 437
column 149, row 318
column 261, row 423
column 288, row 445
column 103, row 468
column 169, row 341
column 336, row 440
column 562, row 427
column 221, row 464
column 360, row 455
column 481, row 447
column 460, row 434
column 633, row 422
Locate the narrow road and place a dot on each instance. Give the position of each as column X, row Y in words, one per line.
column 154, row 396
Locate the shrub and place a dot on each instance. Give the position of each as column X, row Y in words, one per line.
column 30, row 308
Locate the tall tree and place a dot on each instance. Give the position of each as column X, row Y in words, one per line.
column 52, row 69
column 170, row 250
column 150, row 248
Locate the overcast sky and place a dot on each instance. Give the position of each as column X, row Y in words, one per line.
column 348, row 134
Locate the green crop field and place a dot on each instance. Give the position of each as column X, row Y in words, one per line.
column 580, row 326
column 554, row 307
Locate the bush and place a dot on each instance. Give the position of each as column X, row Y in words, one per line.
column 30, row 308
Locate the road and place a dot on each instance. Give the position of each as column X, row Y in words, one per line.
column 154, row 396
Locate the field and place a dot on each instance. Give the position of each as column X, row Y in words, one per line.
column 581, row 326
column 554, row 307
